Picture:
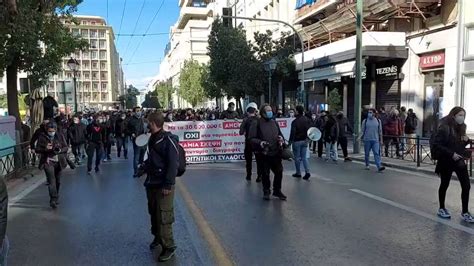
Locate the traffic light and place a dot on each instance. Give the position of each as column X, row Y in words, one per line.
column 226, row 11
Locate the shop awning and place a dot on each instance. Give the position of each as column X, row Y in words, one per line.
column 332, row 72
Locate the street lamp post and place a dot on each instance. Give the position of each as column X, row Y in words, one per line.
column 270, row 66
column 72, row 64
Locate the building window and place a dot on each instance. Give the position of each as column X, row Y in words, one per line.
column 85, row 65
column 103, row 66
column 103, row 75
column 95, row 86
column 103, row 55
column 93, row 44
column 102, row 44
column 87, row 86
column 102, row 33
column 85, row 55
column 94, row 65
column 469, row 43
column 93, row 55
column 86, row 76
column 85, row 33
column 76, row 32
column 95, row 76
column 93, row 34
column 104, row 86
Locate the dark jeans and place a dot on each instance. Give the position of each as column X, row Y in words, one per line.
column 248, row 153
column 138, row 155
column 274, row 164
column 391, row 140
column 161, row 210
column 76, row 150
column 122, row 143
column 91, row 148
column 320, row 147
column 463, row 177
column 343, row 142
column 53, row 175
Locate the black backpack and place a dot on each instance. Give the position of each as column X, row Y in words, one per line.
column 434, row 151
column 411, row 122
column 181, row 155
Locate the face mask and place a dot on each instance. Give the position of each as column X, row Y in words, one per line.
column 51, row 134
column 123, row 117
column 292, row 114
column 459, row 119
column 269, row 114
column 370, row 115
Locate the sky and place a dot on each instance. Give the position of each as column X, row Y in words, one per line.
column 141, row 55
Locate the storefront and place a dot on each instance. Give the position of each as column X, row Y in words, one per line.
column 432, row 68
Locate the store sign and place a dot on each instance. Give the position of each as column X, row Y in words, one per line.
column 432, row 60
column 387, row 71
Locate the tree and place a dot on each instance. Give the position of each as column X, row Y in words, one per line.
column 334, row 100
column 211, row 90
column 190, row 82
column 233, row 68
column 164, row 91
column 130, row 99
column 151, row 100
column 34, row 39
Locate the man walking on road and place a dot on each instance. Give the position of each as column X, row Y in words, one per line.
column 136, row 127
column 299, row 140
column 266, row 137
column 248, row 152
column 121, row 136
column 95, row 143
column 344, row 127
column 372, row 137
column 161, row 168
column 77, row 136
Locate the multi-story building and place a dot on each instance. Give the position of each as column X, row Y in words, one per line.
column 405, row 51
column 99, row 73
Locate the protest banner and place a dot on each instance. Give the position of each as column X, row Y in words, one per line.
column 215, row 141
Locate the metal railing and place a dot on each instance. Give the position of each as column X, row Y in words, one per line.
column 17, row 160
column 418, row 152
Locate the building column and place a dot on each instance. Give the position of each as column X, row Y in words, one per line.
column 373, row 94
column 280, row 95
column 344, row 98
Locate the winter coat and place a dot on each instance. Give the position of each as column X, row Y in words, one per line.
column 59, row 148
column 392, row 126
column 120, row 127
column 77, row 134
column 299, row 128
column 264, row 129
column 331, row 131
column 411, row 123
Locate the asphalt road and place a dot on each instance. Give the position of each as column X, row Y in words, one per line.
column 344, row 215
column 102, row 220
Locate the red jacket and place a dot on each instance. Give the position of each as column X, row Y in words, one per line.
column 393, row 126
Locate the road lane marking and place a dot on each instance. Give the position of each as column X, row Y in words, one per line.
column 26, row 191
column 217, row 249
column 415, row 211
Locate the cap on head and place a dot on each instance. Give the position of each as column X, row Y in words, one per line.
column 252, row 105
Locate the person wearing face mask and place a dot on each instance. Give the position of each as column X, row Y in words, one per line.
column 95, row 143
column 320, row 124
column 136, row 127
column 291, row 113
column 77, row 137
column 299, row 140
column 53, row 148
column 449, row 149
column 267, row 139
column 230, row 113
column 121, row 135
column 373, row 138
column 108, row 125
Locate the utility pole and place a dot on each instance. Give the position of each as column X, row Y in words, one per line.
column 358, row 78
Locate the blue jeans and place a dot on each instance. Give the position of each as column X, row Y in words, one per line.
column 138, row 156
column 300, row 148
column 374, row 146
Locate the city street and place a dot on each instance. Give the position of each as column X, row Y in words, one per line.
column 344, row 215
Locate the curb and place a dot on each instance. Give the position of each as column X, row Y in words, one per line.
column 407, row 168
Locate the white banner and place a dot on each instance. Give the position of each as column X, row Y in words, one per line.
column 215, row 141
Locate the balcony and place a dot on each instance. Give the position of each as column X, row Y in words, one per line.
column 190, row 13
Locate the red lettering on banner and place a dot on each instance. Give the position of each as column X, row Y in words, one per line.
column 231, row 125
column 201, row 144
column 282, row 123
column 432, row 60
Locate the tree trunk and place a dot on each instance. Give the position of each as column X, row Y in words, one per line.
column 12, row 93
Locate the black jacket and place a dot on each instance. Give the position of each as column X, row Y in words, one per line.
column 411, row 123
column 120, row 127
column 59, row 148
column 299, row 128
column 96, row 133
column 331, row 131
column 36, row 135
column 245, row 126
column 229, row 115
column 268, row 130
column 77, row 134
column 446, row 142
column 136, row 126
column 344, row 127
column 162, row 163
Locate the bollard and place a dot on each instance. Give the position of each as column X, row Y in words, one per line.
column 418, row 159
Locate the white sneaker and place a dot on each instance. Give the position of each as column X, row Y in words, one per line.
column 467, row 217
column 443, row 213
